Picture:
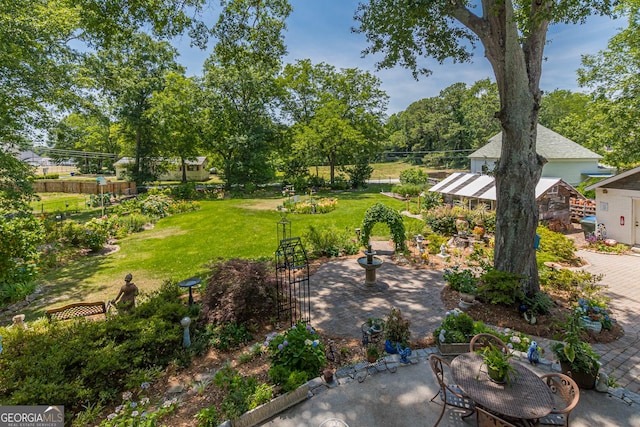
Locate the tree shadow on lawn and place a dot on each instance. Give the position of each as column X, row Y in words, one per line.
column 71, row 286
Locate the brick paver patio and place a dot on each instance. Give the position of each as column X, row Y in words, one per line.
column 340, row 302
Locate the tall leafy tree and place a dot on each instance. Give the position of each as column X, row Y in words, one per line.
column 128, row 75
column 86, row 132
column 459, row 119
column 240, row 84
column 39, row 71
column 337, row 115
column 613, row 75
column 559, row 104
column 513, row 34
column 177, row 112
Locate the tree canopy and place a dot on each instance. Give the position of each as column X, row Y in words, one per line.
column 443, row 130
column 613, row 75
column 513, row 35
column 337, row 115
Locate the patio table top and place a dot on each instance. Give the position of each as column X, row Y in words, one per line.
column 526, row 397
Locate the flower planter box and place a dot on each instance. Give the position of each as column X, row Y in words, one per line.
column 592, row 325
column 453, row 349
column 269, row 409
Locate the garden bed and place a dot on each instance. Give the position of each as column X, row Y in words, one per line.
column 546, row 326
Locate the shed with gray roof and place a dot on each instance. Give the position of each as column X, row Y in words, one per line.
column 565, row 159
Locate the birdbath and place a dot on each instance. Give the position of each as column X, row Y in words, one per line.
column 190, row 283
column 370, row 263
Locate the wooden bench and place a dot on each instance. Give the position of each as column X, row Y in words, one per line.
column 77, row 309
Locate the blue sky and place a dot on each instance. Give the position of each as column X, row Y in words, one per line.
column 321, row 30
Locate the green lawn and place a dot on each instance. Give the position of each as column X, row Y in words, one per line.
column 59, row 202
column 181, row 246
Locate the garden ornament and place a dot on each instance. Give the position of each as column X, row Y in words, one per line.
column 442, row 338
column 127, row 295
column 532, row 354
column 186, row 339
column 404, row 354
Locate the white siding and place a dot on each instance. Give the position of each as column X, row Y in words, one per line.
column 610, row 207
column 570, row 171
column 477, row 164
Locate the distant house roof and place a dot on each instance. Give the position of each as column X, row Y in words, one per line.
column 614, row 178
column 477, row 186
column 128, row 160
column 549, row 144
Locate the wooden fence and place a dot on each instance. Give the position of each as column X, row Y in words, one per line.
column 83, row 187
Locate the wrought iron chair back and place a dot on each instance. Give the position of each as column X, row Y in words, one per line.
column 450, row 394
column 482, row 341
column 566, row 388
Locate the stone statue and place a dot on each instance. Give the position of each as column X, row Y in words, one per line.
column 127, row 295
column 18, row 321
column 443, row 250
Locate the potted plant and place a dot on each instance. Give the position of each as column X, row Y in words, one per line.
column 457, row 278
column 497, row 361
column 397, row 332
column 454, row 334
column 375, row 324
column 372, row 353
column 467, row 292
column 577, row 358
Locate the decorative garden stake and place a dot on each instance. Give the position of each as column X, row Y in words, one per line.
column 186, row 339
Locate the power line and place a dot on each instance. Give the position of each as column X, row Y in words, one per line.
column 77, row 153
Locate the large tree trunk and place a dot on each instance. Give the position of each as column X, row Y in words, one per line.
column 517, row 68
column 184, row 170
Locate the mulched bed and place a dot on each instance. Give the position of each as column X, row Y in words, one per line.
column 548, row 326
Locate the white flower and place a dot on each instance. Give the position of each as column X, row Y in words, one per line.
column 144, row 401
column 111, row 416
column 135, row 413
column 308, row 342
column 526, row 339
column 127, row 395
column 515, row 339
column 507, row 330
column 166, row 404
column 119, row 408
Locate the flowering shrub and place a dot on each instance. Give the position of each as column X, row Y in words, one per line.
column 596, row 310
column 457, row 327
column 517, row 340
column 478, row 230
column 296, row 351
column 460, row 279
column 138, row 412
column 319, row 206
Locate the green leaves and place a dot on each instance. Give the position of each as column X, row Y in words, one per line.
column 382, row 213
column 297, row 350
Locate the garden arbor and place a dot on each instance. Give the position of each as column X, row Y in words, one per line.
column 382, row 213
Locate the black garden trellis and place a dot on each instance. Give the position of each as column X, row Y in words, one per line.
column 292, row 275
